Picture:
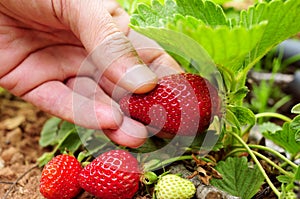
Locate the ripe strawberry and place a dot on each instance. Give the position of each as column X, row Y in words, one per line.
column 180, row 104
column 175, row 187
column 113, row 174
column 60, row 178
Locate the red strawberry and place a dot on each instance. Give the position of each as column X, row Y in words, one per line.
column 113, row 174
column 60, row 178
column 180, row 104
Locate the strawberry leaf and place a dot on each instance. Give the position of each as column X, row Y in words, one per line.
column 295, row 126
column 155, row 15
column 203, row 21
column 296, row 109
column 97, row 143
column 284, row 179
column 297, row 136
column 244, row 115
column 286, row 137
column 64, row 130
column 221, row 1
column 239, row 94
column 65, row 135
column 75, row 139
column 269, row 127
column 280, row 25
column 130, row 5
column 239, row 179
column 222, row 42
column 206, row 11
column 297, row 173
column 49, row 132
column 232, row 120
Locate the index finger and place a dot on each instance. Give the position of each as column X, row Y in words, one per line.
column 147, row 49
column 109, row 48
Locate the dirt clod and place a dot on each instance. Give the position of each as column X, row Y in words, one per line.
column 20, row 126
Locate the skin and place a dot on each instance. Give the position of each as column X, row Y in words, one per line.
column 75, row 57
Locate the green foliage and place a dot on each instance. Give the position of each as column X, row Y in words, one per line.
column 63, row 135
column 239, row 179
column 280, row 25
column 221, row 1
column 288, row 184
column 235, row 46
column 130, row 5
column 296, row 109
column 269, row 127
column 49, row 132
column 239, row 117
column 243, row 115
column 287, row 137
column 229, row 46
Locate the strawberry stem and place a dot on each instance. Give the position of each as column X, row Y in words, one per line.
column 275, row 115
column 273, row 164
column 274, row 153
column 157, row 165
column 281, row 170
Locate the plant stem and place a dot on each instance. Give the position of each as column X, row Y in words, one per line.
column 237, row 150
column 61, row 141
column 275, row 153
column 263, row 158
column 281, row 170
column 275, row 115
column 295, row 157
column 258, row 164
column 167, row 162
column 247, row 130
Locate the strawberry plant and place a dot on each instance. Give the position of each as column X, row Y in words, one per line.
column 218, row 49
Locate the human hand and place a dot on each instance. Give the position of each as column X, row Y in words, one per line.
column 43, row 45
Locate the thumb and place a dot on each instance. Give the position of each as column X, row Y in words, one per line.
column 109, row 48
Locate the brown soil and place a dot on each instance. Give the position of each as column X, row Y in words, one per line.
column 20, row 126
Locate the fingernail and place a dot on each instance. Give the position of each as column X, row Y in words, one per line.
column 139, row 79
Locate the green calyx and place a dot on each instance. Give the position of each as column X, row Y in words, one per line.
column 149, row 178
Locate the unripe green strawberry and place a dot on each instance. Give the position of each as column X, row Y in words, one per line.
column 172, row 186
column 181, row 104
column 112, row 175
column 59, row 178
